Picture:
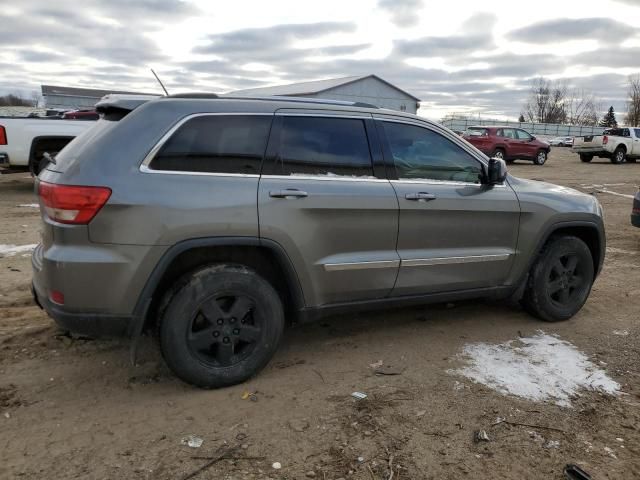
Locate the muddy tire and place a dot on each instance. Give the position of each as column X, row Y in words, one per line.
column 560, row 280
column 220, row 325
column 585, row 158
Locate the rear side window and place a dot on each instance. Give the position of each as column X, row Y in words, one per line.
column 323, row 146
column 477, row 132
column 216, row 144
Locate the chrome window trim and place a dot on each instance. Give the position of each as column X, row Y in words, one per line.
column 144, row 166
column 334, row 267
column 422, row 262
column 443, row 182
column 326, row 178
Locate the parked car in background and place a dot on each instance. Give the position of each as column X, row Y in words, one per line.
column 635, row 210
column 507, row 143
column 296, row 207
column 81, row 115
column 619, row 145
column 561, row 142
column 24, row 141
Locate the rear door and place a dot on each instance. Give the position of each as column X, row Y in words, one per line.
column 454, row 232
column 510, row 142
column 324, row 198
column 636, row 142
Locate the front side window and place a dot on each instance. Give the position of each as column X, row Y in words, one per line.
column 522, row 135
column 420, row 153
column 637, row 131
column 216, row 144
column 323, row 146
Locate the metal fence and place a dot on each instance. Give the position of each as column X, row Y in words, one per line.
column 549, row 129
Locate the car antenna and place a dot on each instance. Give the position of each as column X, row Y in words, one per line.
column 160, row 82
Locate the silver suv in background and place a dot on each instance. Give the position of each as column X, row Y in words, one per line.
column 214, row 219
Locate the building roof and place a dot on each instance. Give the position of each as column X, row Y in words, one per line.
column 313, row 87
column 82, row 92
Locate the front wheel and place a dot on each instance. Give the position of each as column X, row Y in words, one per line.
column 220, row 326
column 560, row 279
column 619, row 156
column 541, row 157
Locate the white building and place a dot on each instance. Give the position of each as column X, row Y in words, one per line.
column 369, row 89
column 71, row 98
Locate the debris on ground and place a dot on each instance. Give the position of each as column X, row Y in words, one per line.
column 359, row 395
column 574, row 472
column 388, row 370
column 481, row 436
column 252, row 396
column 277, row 465
column 192, row 441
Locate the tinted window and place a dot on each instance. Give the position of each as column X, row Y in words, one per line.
column 323, row 146
column 522, row 135
column 637, row 130
column 422, row 153
column 216, row 143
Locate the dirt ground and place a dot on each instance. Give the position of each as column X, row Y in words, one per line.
column 76, row 408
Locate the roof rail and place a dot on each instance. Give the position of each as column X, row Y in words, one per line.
column 272, row 98
column 193, row 95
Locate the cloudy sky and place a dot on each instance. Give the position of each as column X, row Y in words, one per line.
column 457, row 56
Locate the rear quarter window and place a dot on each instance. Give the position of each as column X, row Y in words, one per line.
column 216, row 144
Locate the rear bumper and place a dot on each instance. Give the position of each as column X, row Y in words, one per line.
column 93, row 325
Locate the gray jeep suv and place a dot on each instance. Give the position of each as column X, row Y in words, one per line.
column 213, row 219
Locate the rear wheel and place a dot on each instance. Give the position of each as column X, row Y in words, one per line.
column 541, row 157
column 619, row 156
column 220, row 326
column 560, row 279
column 585, row 158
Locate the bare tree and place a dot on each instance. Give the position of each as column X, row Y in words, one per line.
column 582, row 108
column 546, row 102
column 633, row 103
column 16, row 100
column 553, row 102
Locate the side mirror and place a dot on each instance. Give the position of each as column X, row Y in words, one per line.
column 532, row 138
column 496, row 171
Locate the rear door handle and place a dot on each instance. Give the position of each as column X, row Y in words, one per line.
column 288, row 193
column 420, row 196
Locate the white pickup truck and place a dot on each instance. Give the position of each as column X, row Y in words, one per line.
column 24, row 141
column 616, row 144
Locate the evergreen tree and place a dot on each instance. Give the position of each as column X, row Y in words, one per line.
column 521, row 119
column 609, row 119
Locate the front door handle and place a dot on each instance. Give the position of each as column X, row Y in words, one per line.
column 420, row 196
column 288, row 193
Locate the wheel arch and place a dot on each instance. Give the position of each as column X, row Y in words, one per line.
column 588, row 232
column 266, row 257
column 37, row 141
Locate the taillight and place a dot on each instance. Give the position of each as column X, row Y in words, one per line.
column 3, row 136
column 605, row 140
column 76, row 205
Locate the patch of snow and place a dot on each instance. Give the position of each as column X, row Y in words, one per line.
column 539, row 368
column 29, row 205
column 610, row 452
column 622, row 333
column 11, row 250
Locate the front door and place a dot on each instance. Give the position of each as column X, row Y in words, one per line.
column 454, row 233
column 323, row 200
column 528, row 148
